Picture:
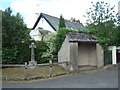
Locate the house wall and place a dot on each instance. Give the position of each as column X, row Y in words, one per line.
column 87, row 54
column 45, row 25
column 35, row 34
column 64, row 52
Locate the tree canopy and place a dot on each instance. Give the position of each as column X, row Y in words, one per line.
column 74, row 20
column 102, row 22
column 14, row 33
column 62, row 22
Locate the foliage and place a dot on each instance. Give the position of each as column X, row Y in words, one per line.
column 60, row 37
column 41, row 47
column 101, row 22
column 14, row 32
column 74, row 20
column 62, row 22
column 9, row 55
column 50, row 40
column 105, row 33
column 101, row 12
column 24, row 53
column 117, row 39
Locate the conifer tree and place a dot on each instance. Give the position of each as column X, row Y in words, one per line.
column 62, row 22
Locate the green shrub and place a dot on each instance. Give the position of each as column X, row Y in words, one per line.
column 41, row 47
column 60, row 37
column 9, row 55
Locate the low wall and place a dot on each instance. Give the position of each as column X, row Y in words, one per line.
column 22, row 65
column 11, row 66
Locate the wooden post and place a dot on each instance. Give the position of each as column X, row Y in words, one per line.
column 50, row 67
column 25, row 65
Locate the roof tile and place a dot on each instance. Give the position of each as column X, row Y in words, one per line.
column 81, row 37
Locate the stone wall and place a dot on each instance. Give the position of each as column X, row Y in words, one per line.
column 73, row 56
column 80, row 54
column 64, row 53
column 100, row 55
column 87, row 54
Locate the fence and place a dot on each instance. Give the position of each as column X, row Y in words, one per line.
column 107, row 56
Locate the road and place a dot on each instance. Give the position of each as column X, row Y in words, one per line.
column 100, row 79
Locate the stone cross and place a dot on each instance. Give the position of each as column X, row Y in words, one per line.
column 32, row 46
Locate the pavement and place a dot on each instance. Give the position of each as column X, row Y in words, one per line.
column 100, row 79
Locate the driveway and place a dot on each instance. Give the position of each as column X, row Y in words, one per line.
column 101, row 79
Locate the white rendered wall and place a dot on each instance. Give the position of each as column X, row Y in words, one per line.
column 113, row 48
column 35, row 34
column 44, row 24
column 114, row 55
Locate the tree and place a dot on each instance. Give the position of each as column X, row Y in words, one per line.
column 117, row 36
column 50, row 41
column 41, row 48
column 74, row 20
column 14, row 32
column 101, row 22
column 100, row 12
column 60, row 37
column 62, row 22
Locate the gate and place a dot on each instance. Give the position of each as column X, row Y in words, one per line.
column 107, row 56
column 118, row 55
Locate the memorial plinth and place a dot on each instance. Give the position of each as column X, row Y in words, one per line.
column 32, row 63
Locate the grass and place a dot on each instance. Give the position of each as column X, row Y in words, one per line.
column 23, row 73
column 42, row 71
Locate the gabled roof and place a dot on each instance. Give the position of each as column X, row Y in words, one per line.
column 54, row 22
column 44, row 31
column 81, row 37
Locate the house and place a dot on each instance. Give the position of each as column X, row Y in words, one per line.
column 80, row 50
column 51, row 24
column 38, row 34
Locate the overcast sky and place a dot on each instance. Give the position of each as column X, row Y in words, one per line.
column 68, row 8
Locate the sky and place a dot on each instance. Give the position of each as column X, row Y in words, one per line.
column 30, row 9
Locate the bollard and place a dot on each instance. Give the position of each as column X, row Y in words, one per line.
column 50, row 67
column 25, row 65
column 71, row 68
